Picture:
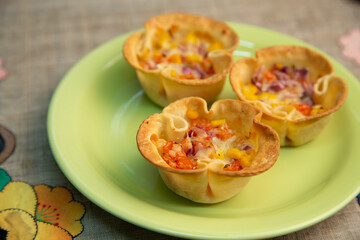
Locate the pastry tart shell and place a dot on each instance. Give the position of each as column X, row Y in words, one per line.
column 158, row 84
column 209, row 183
column 330, row 90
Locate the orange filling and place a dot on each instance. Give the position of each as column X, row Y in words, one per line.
column 207, row 139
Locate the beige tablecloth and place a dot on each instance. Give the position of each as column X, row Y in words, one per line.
column 40, row 40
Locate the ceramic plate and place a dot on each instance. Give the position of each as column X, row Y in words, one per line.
column 93, row 119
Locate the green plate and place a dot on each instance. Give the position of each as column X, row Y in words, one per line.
column 93, row 119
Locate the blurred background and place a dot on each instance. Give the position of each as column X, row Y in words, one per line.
column 41, row 40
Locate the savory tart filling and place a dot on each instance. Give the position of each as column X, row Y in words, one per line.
column 284, row 90
column 209, row 140
column 184, row 51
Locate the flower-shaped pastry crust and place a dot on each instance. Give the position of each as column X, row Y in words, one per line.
column 181, row 55
column 213, row 153
column 294, row 87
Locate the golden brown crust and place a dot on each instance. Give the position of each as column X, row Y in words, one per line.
column 330, row 91
column 158, row 84
column 209, row 183
column 300, row 57
column 218, row 29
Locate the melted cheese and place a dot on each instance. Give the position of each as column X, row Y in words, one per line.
column 207, row 141
column 184, row 52
column 286, row 94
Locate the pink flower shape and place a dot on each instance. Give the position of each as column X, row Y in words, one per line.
column 3, row 72
column 351, row 45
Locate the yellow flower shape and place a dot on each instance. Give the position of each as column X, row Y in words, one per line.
column 18, row 195
column 56, row 206
column 41, row 212
column 49, row 231
column 18, row 224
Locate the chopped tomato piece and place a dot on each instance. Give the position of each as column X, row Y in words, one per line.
column 207, row 66
column 270, row 77
column 304, row 109
column 175, row 58
column 203, row 123
column 188, row 76
column 158, row 58
column 224, row 132
column 176, row 158
column 224, row 135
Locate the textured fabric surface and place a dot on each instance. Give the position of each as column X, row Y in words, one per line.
column 40, row 40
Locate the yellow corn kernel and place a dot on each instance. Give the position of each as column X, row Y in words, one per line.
column 216, row 123
column 235, row 153
column 157, row 53
column 245, row 161
column 175, row 58
column 145, row 53
column 289, row 108
column 173, row 45
column 212, row 155
column 160, row 43
column 191, row 38
column 215, row 46
column 173, row 73
column 163, row 37
column 192, row 114
column 316, row 110
column 220, row 154
column 274, row 105
column 249, row 91
column 252, row 98
column 268, row 95
column 278, row 65
column 193, row 58
column 217, row 155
